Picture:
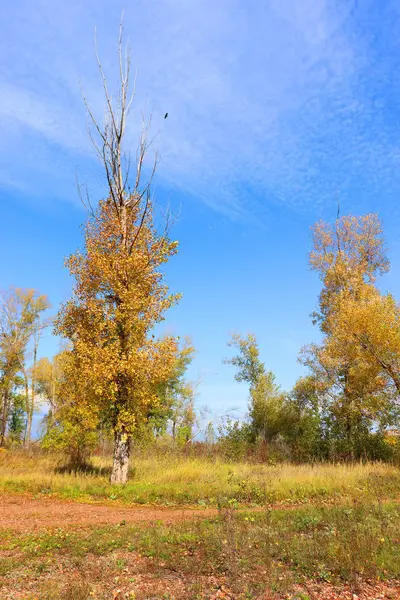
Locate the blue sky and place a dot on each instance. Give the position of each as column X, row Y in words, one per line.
column 276, row 108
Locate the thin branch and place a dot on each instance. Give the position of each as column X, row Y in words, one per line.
column 87, row 204
column 105, row 88
column 212, row 421
column 107, row 141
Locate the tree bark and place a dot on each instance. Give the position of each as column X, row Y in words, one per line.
column 27, row 407
column 4, row 416
column 28, row 431
column 119, row 473
column 32, row 399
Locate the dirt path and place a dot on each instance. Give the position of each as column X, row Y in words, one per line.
column 23, row 513
column 26, row 514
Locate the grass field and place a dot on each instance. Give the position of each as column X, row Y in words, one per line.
column 172, row 480
column 319, row 532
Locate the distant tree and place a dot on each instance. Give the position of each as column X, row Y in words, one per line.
column 20, row 312
column 267, row 410
column 16, row 421
column 31, row 399
column 210, row 434
column 183, row 419
column 175, row 395
column 69, row 427
column 249, row 367
column 50, row 378
column 235, row 438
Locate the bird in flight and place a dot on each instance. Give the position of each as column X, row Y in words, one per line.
column 166, row 115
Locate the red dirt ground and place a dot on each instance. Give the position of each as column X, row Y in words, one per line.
column 24, row 513
column 27, row 514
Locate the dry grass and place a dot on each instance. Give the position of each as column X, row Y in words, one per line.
column 179, row 480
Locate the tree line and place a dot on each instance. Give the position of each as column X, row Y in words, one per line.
column 346, row 406
column 21, row 327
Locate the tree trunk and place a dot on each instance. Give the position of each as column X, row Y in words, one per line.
column 119, row 473
column 32, row 398
column 28, row 431
column 4, row 416
column 27, row 408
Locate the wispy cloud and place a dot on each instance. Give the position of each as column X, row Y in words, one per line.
column 267, row 102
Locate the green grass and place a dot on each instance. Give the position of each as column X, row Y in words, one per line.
column 172, row 480
column 277, row 548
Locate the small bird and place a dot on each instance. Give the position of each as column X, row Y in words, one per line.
column 166, row 115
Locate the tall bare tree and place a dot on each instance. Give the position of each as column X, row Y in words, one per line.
column 119, row 293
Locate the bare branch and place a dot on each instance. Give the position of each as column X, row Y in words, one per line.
column 87, row 204
column 212, row 422
column 128, row 202
column 105, row 88
column 92, row 117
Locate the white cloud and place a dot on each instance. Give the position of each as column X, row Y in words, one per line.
column 262, row 97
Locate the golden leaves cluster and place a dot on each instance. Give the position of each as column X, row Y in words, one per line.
column 361, row 349
column 119, row 296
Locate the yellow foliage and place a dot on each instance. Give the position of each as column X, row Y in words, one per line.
column 119, row 296
column 359, row 358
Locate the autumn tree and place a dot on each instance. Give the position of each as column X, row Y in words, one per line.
column 353, row 316
column 339, row 390
column 346, row 256
column 371, row 324
column 175, row 406
column 19, row 323
column 69, row 427
column 120, row 293
column 50, row 378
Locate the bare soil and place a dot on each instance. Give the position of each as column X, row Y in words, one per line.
column 24, row 513
column 27, row 514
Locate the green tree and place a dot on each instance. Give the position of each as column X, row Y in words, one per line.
column 17, row 418
column 249, row 367
column 267, row 410
column 306, row 436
